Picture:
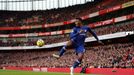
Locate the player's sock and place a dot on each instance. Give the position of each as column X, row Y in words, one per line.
column 62, row 51
column 71, row 70
column 76, row 63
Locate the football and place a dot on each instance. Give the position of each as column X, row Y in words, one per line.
column 40, row 43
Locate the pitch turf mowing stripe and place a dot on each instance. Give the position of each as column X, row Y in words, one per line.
column 14, row 72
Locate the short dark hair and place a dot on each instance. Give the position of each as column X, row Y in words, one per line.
column 79, row 19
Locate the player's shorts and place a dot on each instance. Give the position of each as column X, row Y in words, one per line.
column 78, row 48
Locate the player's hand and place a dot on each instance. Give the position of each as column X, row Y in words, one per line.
column 100, row 42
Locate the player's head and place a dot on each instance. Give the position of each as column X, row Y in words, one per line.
column 78, row 22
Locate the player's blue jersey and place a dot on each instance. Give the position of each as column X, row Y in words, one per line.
column 79, row 38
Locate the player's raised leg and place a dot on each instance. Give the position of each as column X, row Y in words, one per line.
column 63, row 49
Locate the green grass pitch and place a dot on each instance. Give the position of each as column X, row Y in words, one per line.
column 14, row 72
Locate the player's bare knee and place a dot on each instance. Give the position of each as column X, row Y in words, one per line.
column 69, row 43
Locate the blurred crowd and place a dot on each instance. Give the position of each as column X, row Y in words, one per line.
column 120, row 27
column 13, row 18
column 119, row 55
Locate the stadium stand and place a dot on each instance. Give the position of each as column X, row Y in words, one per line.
column 114, row 28
column 57, row 27
column 55, row 15
column 108, row 56
column 113, row 54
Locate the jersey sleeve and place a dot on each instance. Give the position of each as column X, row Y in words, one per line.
column 93, row 33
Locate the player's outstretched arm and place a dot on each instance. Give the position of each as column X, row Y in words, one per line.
column 96, row 37
column 93, row 33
